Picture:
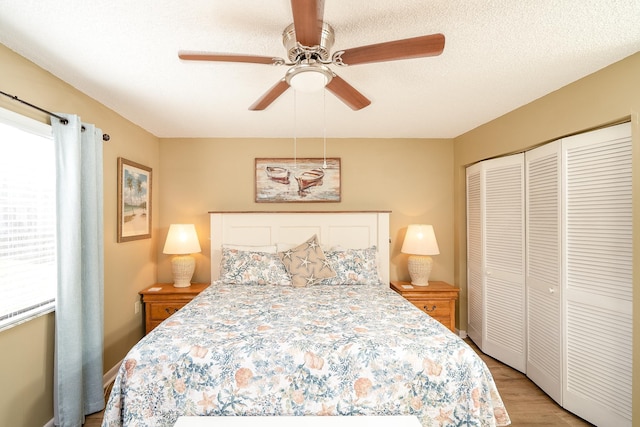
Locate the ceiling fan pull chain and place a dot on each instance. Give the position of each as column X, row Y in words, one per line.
column 324, row 114
column 295, row 129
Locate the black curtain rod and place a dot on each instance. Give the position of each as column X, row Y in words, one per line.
column 105, row 136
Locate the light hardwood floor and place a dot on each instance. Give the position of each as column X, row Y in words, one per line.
column 526, row 404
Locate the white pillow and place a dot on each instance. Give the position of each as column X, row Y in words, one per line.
column 270, row 249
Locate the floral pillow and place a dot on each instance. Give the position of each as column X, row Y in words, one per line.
column 353, row 267
column 252, row 267
column 306, row 263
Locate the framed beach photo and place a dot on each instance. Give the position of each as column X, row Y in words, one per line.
column 297, row 180
column 134, row 201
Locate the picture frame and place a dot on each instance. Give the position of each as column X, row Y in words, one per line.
column 285, row 180
column 134, row 201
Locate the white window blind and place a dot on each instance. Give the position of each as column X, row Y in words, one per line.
column 27, row 219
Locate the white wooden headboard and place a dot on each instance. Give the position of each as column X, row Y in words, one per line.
column 352, row 230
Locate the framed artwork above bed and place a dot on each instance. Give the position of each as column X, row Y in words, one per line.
column 280, row 180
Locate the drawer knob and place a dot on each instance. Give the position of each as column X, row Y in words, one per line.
column 170, row 310
column 428, row 310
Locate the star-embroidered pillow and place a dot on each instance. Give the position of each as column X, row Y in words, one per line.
column 306, row 263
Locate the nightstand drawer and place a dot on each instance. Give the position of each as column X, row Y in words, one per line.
column 162, row 300
column 438, row 300
column 161, row 311
column 434, row 308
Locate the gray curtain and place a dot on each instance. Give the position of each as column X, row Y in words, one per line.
column 78, row 389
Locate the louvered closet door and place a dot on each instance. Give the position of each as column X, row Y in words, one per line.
column 504, row 328
column 543, row 268
column 598, row 283
column 475, row 254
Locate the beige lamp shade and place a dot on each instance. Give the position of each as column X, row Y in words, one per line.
column 182, row 240
column 420, row 242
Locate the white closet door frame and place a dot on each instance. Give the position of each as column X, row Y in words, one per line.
column 598, row 283
column 475, row 255
column 544, row 268
column 504, row 328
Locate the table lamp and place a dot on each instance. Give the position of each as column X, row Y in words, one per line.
column 182, row 241
column 419, row 243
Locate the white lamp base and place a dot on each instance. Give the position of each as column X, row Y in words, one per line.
column 419, row 269
column 182, row 267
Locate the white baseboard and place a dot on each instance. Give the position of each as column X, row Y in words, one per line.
column 462, row 333
column 107, row 378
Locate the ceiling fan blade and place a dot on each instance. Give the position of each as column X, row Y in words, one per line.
column 307, row 21
column 271, row 95
column 347, row 93
column 416, row 47
column 229, row 57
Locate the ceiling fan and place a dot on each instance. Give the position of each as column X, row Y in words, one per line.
column 308, row 42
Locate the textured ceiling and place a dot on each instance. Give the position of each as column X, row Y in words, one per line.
column 499, row 55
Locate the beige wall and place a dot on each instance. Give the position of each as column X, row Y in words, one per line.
column 610, row 95
column 410, row 177
column 26, row 356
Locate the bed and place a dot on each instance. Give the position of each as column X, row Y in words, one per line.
column 339, row 344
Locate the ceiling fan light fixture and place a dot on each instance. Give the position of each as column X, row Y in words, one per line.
column 309, row 77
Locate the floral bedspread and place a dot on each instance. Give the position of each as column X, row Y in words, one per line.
column 321, row 350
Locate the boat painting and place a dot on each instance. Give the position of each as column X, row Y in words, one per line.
column 278, row 174
column 309, row 178
column 315, row 180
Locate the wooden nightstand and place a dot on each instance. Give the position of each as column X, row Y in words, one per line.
column 163, row 299
column 438, row 300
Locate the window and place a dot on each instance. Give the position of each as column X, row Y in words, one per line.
column 28, row 272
